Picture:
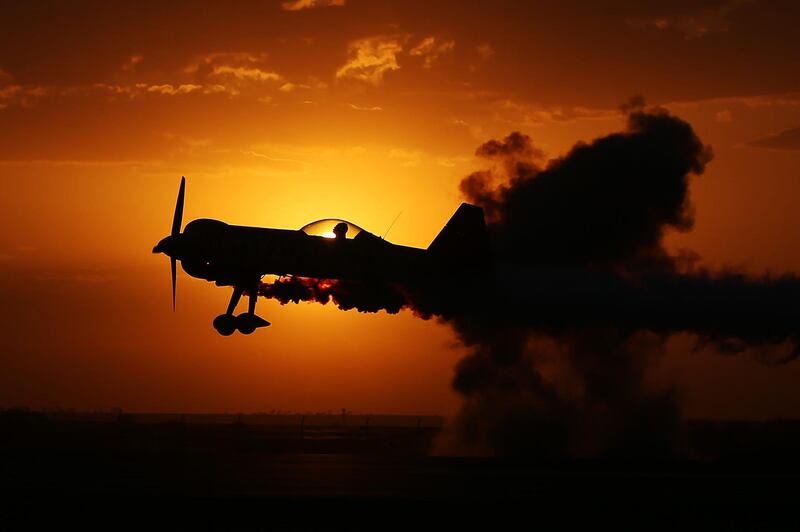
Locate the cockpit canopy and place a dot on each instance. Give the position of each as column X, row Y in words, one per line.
column 327, row 228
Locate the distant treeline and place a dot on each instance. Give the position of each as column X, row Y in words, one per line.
column 270, row 419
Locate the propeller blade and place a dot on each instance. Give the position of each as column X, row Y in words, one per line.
column 173, row 267
column 178, row 218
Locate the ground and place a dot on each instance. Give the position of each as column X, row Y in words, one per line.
column 331, row 476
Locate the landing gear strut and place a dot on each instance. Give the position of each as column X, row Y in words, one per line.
column 247, row 322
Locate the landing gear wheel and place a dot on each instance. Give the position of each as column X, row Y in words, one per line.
column 245, row 323
column 225, row 324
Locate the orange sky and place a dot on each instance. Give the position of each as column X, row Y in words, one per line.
column 280, row 113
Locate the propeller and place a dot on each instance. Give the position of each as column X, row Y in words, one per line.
column 173, row 264
column 176, row 230
column 176, row 219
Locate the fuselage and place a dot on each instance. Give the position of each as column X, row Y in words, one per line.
column 230, row 255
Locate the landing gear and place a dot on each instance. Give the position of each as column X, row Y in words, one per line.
column 225, row 324
column 247, row 322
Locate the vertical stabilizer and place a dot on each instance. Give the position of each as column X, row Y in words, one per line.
column 464, row 237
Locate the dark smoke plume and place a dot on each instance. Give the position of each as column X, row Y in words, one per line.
column 583, row 295
column 604, row 203
column 347, row 295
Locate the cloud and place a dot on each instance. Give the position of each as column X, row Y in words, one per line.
column 724, row 116
column 260, row 155
column 82, row 162
column 692, row 25
column 216, row 88
column 409, row 158
column 485, row 51
column 130, row 64
column 208, row 75
column 10, row 90
column 136, row 90
column 364, row 108
column 432, row 50
column 424, row 47
column 230, row 72
column 245, row 73
column 786, row 99
column 313, row 83
column 530, row 115
column 788, row 140
column 297, row 5
column 191, row 142
column 224, row 58
column 171, row 90
column 450, row 162
column 291, row 165
column 370, row 59
column 789, row 100
column 23, row 95
column 475, row 130
column 235, row 73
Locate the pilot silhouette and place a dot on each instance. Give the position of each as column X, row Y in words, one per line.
column 340, row 231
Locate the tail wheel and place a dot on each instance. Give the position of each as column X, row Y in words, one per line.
column 225, row 324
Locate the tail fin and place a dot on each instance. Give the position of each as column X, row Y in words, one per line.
column 464, row 237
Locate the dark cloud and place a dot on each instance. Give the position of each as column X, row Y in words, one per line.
column 788, row 139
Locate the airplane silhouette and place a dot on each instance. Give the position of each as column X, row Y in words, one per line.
column 239, row 256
